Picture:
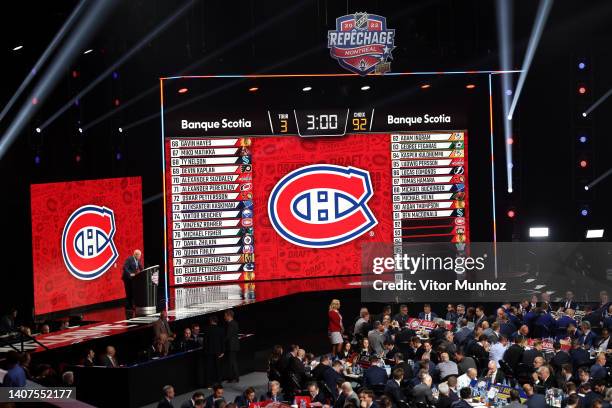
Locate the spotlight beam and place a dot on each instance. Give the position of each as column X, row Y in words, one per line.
column 536, row 33
column 228, row 46
column 598, row 180
column 504, row 39
column 597, row 103
column 86, row 27
column 144, row 41
column 43, row 58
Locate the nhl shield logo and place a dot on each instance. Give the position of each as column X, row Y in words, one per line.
column 322, row 205
column 87, row 242
column 362, row 43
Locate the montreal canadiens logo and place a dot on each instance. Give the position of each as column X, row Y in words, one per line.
column 322, row 205
column 87, row 242
column 362, row 43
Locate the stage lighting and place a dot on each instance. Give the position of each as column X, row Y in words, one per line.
column 510, row 190
column 117, row 102
column 584, row 114
column 582, row 139
column 582, row 90
column 586, row 188
column 118, row 156
column 183, row 90
column 307, row 88
column 75, row 73
column 115, row 75
column 38, row 130
column 365, row 87
column 34, row 101
column 584, row 211
column 470, row 86
column 120, row 130
column 510, row 141
column 37, row 160
column 538, row 232
column 17, row 48
column 511, row 213
column 509, row 92
column 425, row 86
column 583, row 163
column 253, row 89
column 77, row 158
column 594, row 233
column 87, row 51
column 581, row 65
column 80, row 130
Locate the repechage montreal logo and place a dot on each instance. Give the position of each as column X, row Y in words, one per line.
column 322, row 205
column 87, row 242
column 362, row 43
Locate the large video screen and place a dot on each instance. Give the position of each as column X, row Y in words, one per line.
column 293, row 181
column 275, row 207
column 82, row 231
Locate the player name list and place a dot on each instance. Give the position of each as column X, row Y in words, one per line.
column 211, row 210
column 429, row 173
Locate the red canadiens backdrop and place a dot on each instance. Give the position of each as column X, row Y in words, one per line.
column 82, row 232
column 273, row 158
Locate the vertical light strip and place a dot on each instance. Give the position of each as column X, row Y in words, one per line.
column 492, row 175
column 163, row 140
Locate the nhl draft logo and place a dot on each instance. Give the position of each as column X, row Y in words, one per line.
column 322, row 205
column 87, row 242
column 362, row 43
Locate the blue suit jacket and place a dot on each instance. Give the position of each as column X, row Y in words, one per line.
column 374, row 375
column 598, row 372
column 587, row 339
column 433, row 315
column 536, row 401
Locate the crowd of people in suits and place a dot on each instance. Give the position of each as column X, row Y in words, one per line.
column 381, row 361
column 401, row 366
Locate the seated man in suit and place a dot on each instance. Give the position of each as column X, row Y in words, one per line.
column 444, row 400
column 273, row 393
column 465, row 395
column 493, row 374
column 598, row 370
column 315, row 395
column 109, row 359
column 427, row 314
column 166, row 402
column 534, row 400
column 588, row 337
column 393, row 388
column 375, row 374
column 580, row 357
column 194, row 400
column 366, row 399
column 186, row 342
column 217, row 395
column 421, row 393
column 515, row 399
column 245, row 399
column 346, row 396
column 544, row 379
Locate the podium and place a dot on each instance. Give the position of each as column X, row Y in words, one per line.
column 144, row 285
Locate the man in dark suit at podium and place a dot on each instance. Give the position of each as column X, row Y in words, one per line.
column 131, row 267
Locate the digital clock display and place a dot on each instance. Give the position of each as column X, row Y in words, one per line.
column 321, row 123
